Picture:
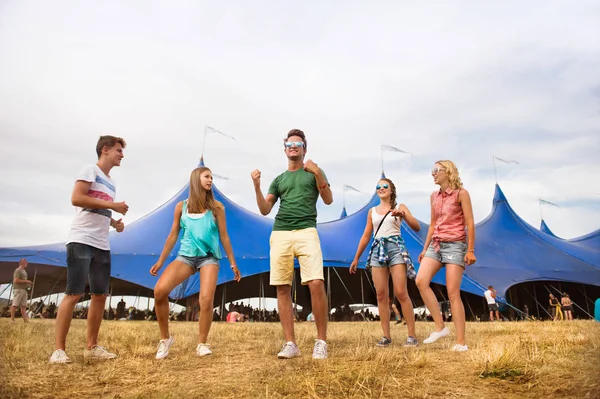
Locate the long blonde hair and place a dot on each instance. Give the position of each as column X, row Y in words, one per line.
column 452, row 172
column 200, row 200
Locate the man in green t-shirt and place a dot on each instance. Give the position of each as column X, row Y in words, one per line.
column 295, row 236
column 20, row 285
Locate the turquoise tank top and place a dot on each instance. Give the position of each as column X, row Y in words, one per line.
column 200, row 235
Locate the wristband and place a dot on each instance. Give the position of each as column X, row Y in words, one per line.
column 471, row 250
column 324, row 185
column 233, row 266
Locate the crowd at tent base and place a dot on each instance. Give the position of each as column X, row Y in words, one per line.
column 523, row 263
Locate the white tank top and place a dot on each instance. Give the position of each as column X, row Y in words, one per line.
column 390, row 227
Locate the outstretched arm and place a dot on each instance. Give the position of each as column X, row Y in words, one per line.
column 222, row 226
column 171, row 240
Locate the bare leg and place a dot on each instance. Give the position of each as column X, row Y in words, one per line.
column 318, row 300
column 381, row 277
column 175, row 273
column 497, row 315
column 13, row 311
column 208, row 284
column 94, row 319
column 429, row 267
column 398, row 273
column 63, row 320
column 491, row 315
column 24, row 314
column 284, row 306
column 454, row 275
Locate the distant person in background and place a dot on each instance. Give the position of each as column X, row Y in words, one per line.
column 490, row 297
column 567, row 306
column 20, row 286
column 556, row 311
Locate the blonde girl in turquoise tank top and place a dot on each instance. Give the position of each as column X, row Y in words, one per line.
column 201, row 221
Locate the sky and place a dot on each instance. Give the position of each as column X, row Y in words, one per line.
column 459, row 80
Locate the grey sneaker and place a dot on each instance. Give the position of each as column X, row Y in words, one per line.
column 288, row 351
column 59, row 356
column 385, row 341
column 163, row 347
column 320, row 349
column 98, row 353
column 411, row 341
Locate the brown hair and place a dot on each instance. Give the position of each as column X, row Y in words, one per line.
column 298, row 133
column 108, row 141
column 392, row 189
column 201, row 200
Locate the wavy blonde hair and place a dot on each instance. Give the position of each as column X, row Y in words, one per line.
column 201, row 200
column 452, row 172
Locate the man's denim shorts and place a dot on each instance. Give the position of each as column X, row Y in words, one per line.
column 196, row 262
column 85, row 261
column 450, row 252
column 394, row 256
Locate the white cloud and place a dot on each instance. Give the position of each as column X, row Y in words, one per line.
column 461, row 81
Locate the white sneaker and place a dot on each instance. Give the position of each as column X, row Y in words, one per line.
column 436, row 335
column 288, row 351
column 163, row 347
column 202, row 350
column 459, row 348
column 320, row 350
column 59, row 356
column 98, row 353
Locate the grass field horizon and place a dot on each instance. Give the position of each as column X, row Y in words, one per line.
column 506, row 359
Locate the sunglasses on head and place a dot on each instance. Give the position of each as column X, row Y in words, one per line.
column 384, row 186
column 290, row 144
column 436, row 170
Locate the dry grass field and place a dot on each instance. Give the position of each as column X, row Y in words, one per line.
column 506, row 360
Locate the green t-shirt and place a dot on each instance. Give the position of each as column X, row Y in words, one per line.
column 22, row 274
column 298, row 194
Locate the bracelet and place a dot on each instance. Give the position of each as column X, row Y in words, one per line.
column 233, row 266
column 471, row 250
column 324, row 185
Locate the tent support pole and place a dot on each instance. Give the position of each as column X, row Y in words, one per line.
column 536, row 302
column 587, row 305
column 33, row 287
column 362, row 290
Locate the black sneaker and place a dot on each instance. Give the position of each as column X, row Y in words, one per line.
column 385, row 341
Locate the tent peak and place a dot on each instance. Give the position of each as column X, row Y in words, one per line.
column 499, row 195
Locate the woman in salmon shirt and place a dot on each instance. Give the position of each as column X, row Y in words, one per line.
column 450, row 242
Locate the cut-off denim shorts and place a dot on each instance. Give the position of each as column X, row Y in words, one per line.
column 83, row 262
column 394, row 254
column 196, row 262
column 450, row 252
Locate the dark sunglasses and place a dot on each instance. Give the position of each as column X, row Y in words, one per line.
column 290, row 144
column 384, row 186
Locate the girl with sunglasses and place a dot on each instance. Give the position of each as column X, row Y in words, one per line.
column 389, row 256
column 450, row 242
column 202, row 219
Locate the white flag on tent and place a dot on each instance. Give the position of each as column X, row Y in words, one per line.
column 544, row 202
column 393, row 149
column 506, row 161
column 208, row 129
column 350, row 188
column 220, row 177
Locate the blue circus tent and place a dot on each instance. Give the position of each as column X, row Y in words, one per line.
column 590, row 240
column 510, row 251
